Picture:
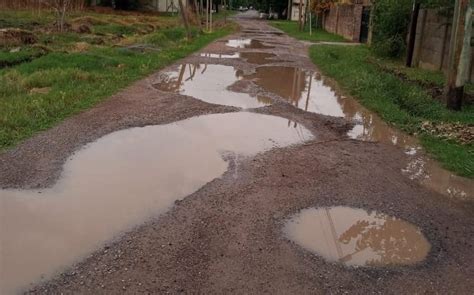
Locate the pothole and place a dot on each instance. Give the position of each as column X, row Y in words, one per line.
column 259, row 58
column 209, row 83
column 304, row 90
column 355, row 237
column 247, row 43
column 120, row 181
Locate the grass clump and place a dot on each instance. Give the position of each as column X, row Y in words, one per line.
column 39, row 93
column 405, row 105
column 9, row 58
column 291, row 28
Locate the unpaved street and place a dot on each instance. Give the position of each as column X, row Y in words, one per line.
column 242, row 140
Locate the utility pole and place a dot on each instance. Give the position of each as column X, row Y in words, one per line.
column 210, row 17
column 459, row 54
column 207, row 15
column 288, row 11
column 310, row 19
column 412, row 35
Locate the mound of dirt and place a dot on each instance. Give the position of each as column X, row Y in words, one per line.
column 88, row 20
column 15, row 37
column 81, row 28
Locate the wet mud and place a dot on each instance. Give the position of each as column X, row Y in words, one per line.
column 222, row 227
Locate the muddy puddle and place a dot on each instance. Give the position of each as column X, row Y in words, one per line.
column 120, row 181
column 209, row 83
column 309, row 92
column 247, row 43
column 355, row 237
column 259, row 58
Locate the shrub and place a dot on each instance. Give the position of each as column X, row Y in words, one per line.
column 391, row 20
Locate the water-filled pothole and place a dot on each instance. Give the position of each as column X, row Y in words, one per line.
column 247, row 43
column 259, row 58
column 209, row 83
column 303, row 89
column 119, row 181
column 356, row 237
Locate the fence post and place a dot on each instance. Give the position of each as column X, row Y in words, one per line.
column 411, row 41
column 459, row 54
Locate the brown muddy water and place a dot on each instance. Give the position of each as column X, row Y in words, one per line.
column 355, row 237
column 247, row 43
column 258, row 58
column 308, row 91
column 208, row 83
column 120, row 181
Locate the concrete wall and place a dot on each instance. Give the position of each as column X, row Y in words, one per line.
column 344, row 20
column 432, row 41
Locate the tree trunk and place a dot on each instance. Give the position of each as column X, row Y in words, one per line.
column 184, row 16
column 459, row 54
column 412, row 35
column 198, row 14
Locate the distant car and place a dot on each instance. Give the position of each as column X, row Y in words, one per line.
column 241, row 8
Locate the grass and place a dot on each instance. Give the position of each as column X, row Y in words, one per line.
column 420, row 76
column 402, row 104
column 291, row 28
column 8, row 58
column 73, row 81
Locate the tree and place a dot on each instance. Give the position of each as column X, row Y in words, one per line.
column 61, row 8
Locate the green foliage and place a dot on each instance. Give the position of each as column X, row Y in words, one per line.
column 391, row 21
column 402, row 104
column 390, row 26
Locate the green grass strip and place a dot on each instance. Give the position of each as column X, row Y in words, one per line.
column 402, row 104
column 78, row 81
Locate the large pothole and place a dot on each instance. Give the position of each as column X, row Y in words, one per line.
column 355, row 237
column 120, row 181
column 209, row 83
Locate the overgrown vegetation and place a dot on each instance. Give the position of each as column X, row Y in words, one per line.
column 291, row 28
column 391, row 20
column 405, row 105
column 81, row 69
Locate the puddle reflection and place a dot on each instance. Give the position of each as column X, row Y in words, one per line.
column 209, row 83
column 308, row 91
column 247, row 43
column 118, row 182
column 356, row 237
column 258, row 58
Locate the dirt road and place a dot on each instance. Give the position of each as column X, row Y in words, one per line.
column 227, row 235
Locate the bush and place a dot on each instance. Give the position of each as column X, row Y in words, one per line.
column 391, row 20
